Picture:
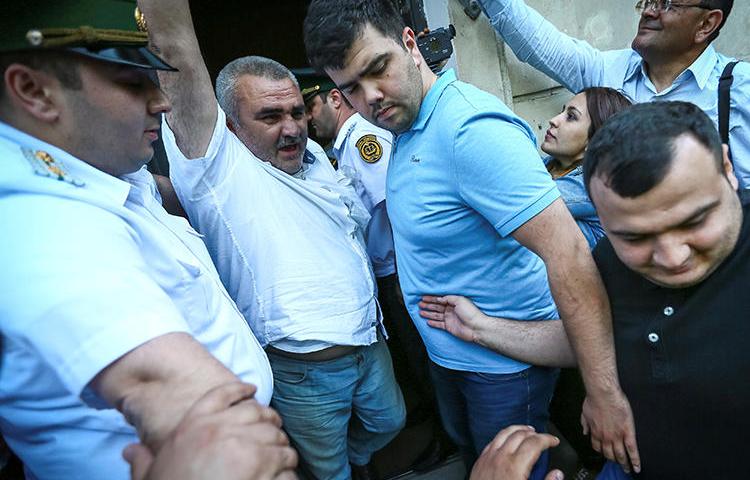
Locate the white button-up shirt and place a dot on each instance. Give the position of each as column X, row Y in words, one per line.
column 289, row 250
column 93, row 267
column 363, row 152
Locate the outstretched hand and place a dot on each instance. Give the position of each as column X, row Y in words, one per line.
column 512, row 455
column 455, row 314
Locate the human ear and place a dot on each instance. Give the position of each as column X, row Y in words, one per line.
column 334, row 98
column 409, row 40
column 33, row 91
column 728, row 168
column 708, row 25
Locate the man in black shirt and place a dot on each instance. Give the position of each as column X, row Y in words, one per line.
column 675, row 265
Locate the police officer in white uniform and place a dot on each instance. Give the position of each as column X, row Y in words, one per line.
column 107, row 302
column 362, row 152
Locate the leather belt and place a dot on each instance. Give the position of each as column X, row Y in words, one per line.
column 330, row 353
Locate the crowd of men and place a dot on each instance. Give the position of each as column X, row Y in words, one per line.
column 247, row 340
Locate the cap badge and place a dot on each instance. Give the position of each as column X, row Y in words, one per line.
column 34, row 37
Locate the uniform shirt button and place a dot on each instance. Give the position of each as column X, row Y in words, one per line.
column 668, row 311
column 653, row 337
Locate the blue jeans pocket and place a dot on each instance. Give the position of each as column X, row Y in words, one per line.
column 289, row 372
column 502, row 377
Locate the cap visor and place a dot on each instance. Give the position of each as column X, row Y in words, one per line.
column 140, row 57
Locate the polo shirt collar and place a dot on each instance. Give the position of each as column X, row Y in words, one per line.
column 81, row 173
column 430, row 100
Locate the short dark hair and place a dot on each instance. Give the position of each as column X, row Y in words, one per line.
column 602, row 103
column 726, row 8
column 634, row 150
column 332, row 26
column 59, row 64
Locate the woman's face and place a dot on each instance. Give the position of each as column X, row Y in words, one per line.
column 567, row 136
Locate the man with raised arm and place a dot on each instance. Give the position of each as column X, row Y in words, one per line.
column 473, row 210
column 113, row 318
column 671, row 58
column 286, row 232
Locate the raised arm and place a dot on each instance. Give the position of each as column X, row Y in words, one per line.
column 573, row 63
column 172, row 35
column 155, row 384
column 584, row 308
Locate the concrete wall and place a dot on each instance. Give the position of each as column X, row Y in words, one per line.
column 482, row 59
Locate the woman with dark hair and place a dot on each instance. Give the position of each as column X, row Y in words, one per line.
column 565, row 142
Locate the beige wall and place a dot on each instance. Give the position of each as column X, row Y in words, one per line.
column 480, row 58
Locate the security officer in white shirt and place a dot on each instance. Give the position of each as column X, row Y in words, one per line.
column 362, row 152
column 106, row 301
column 286, row 232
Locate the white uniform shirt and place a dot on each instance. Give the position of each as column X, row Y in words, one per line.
column 363, row 151
column 289, row 250
column 93, row 267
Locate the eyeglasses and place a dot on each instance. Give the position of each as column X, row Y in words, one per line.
column 665, row 5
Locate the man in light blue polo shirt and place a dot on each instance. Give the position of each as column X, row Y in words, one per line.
column 663, row 64
column 453, row 212
column 473, row 210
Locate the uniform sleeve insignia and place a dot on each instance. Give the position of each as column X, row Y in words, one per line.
column 46, row 166
column 370, row 148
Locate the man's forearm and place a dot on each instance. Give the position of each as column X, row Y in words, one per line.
column 578, row 292
column 583, row 305
column 155, row 384
column 541, row 343
column 171, row 35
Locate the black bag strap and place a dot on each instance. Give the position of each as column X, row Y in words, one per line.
column 725, row 84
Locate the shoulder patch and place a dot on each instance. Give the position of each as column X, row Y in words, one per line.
column 46, row 166
column 370, row 148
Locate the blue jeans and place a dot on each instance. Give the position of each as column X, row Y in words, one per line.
column 338, row 411
column 613, row 471
column 475, row 406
